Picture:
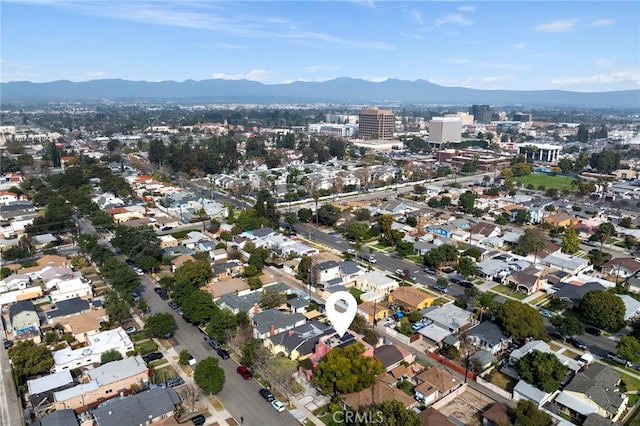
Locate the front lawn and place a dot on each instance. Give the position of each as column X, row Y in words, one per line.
column 507, row 291
column 406, row 387
column 146, row 347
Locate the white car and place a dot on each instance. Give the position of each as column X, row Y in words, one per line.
column 277, row 405
column 130, row 330
column 138, row 271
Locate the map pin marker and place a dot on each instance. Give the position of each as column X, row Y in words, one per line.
column 341, row 320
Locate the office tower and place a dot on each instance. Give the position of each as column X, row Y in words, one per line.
column 376, row 124
column 481, row 113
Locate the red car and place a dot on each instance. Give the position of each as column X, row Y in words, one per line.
column 244, row 372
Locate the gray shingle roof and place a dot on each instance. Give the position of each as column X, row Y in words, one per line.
column 18, row 307
column 68, row 307
column 136, row 409
column 598, row 383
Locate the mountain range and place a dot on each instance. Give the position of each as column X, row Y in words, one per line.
column 340, row 90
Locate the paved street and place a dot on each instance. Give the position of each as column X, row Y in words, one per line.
column 10, row 405
column 240, row 397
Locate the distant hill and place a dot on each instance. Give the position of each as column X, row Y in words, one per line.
column 340, row 90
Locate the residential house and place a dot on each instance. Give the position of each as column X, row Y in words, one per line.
column 594, row 390
column 572, row 294
column 86, row 324
column 528, row 281
column 373, row 312
column 392, row 207
column 378, row 393
column 377, row 282
column 390, row 356
column 567, row 263
column 7, row 197
column 218, row 289
column 231, row 268
column 524, row 390
column 299, row 342
column 181, row 260
column 298, row 304
column 450, row 317
column 631, row 307
column 433, row 417
column 434, row 384
column 326, row 271
column 58, row 418
column 272, row 321
column 560, row 219
column 219, row 255
column 75, row 287
column 15, row 282
column 69, row 359
column 540, row 346
column 24, row 320
column 103, row 383
column 41, row 390
column 329, row 342
column 70, row 307
column 168, row 241
column 623, row 267
column 488, row 336
column 497, row 415
column 411, row 299
column 152, row 406
column 493, row 268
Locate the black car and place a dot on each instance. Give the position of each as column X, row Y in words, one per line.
column 163, row 295
column 8, row 344
column 577, row 343
column 223, row 354
column 556, row 335
column 266, row 394
column 593, row 330
column 465, row 284
column 153, row 356
column 455, row 280
column 198, row 420
column 158, row 290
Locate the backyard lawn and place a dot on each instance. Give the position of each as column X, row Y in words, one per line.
column 503, row 289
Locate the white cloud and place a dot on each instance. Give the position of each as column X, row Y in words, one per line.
column 497, row 79
column 255, row 75
column 97, row 74
column 559, row 26
column 599, row 80
column 520, row 45
column 467, row 8
column 319, row 68
column 453, row 18
column 601, row 23
column 417, row 16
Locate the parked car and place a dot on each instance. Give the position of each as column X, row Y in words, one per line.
column 558, row 336
column 277, row 405
column 8, row 344
column 352, row 252
column 158, row 290
column 593, row 330
column 400, row 272
column 174, row 305
column 153, row 356
column 615, row 358
column 244, row 372
column 440, row 288
column 191, row 361
column 223, row 354
column 266, row 394
column 455, row 280
column 465, row 284
column 135, row 296
column 413, row 278
column 130, row 330
column 172, row 383
column 214, row 343
column 577, row 343
column 418, row 326
column 546, row 313
column 198, row 420
column 138, row 271
column 430, row 271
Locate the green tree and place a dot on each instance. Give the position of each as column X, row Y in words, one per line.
column 197, row 306
column 363, row 215
column 532, row 241
column 358, row 231
column 183, row 357
column 404, row 248
column 626, row 222
column 303, row 269
column 570, row 241
column 603, row 309
column 194, row 273
column 29, row 360
column 222, row 324
column 527, row 414
column 328, row 215
column 520, row 321
column 346, row 370
column 467, row 267
column 109, row 356
column 271, row 298
column 467, row 201
column 605, row 231
column 209, row 376
column 388, row 413
column 597, row 257
column 117, row 308
column 565, row 165
column 543, row 370
column 161, row 324
column 523, row 216
column 567, row 326
column 629, row 348
column 305, row 215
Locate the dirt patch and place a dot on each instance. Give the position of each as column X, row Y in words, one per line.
column 467, row 408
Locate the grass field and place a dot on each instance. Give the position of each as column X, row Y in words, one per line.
column 549, row 181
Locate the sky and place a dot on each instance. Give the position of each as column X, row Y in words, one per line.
column 584, row 46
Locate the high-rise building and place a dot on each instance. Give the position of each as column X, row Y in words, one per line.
column 376, row 124
column 520, row 116
column 445, row 129
column 481, row 113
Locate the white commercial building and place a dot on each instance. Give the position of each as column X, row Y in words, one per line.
column 445, row 129
column 545, row 152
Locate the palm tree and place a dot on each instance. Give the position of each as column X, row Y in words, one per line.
column 316, row 197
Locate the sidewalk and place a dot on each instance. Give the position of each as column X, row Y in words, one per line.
column 217, row 417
